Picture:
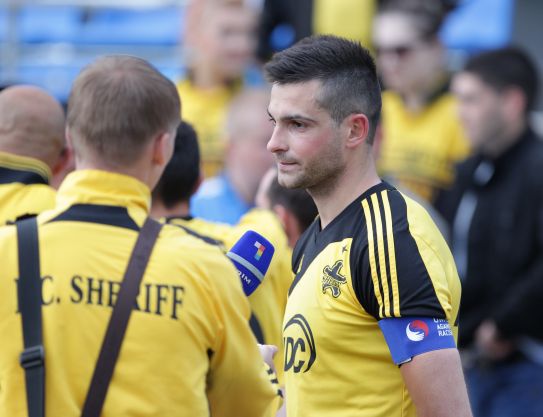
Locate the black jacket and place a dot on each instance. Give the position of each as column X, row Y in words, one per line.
column 504, row 274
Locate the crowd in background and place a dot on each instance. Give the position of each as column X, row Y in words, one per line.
column 461, row 144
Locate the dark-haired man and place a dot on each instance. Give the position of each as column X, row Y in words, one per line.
column 496, row 212
column 370, row 323
column 188, row 350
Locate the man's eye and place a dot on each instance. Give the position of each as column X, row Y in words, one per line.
column 271, row 119
column 296, row 124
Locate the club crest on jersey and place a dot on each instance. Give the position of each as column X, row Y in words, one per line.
column 332, row 279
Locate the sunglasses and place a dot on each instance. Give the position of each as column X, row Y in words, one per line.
column 400, row 51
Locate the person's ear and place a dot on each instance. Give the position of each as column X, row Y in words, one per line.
column 64, row 165
column 163, row 145
column 514, row 102
column 358, row 126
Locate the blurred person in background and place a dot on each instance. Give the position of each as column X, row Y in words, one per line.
column 171, row 202
column 422, row 137
column 495, row 209
column 220, row 39
column 188, row 350
column 230, row 194
column 32, row 150
column 285, row 22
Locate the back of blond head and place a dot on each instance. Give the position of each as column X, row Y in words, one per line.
column 117, row 105
column 31, row 123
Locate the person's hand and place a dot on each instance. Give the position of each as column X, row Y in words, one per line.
column 268, row 352
column 490, row 343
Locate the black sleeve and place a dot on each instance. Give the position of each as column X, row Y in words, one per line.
column 390, row 277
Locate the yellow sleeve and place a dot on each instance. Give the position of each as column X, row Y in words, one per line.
column 238, row 385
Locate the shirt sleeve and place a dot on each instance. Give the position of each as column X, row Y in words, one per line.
column 395, row 272
column 236, row 367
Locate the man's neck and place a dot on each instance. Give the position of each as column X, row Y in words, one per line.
column 159, row 210
column 352, row 183
column 203, row 76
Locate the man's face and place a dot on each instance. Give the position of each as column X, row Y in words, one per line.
column 480, row 109
column 306, row 142
column 248, row 150
column 229, row 39
column 405, row 61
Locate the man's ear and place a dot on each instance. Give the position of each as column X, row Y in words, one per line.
column 64, row 165
column 64, row 161
column 358, row 126
column 163, row 145
column 514, row 102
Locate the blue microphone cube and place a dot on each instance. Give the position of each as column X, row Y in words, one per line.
column 252, row 255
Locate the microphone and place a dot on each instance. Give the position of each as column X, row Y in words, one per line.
column 251, row 255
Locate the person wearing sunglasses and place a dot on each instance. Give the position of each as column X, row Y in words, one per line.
column 421, row 135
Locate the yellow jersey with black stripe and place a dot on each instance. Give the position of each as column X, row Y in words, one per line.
column 188, row 350
column 382, row 257
column 24, row 187
column 268, row 301
column 419, row 150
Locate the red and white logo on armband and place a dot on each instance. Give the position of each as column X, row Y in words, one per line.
column 416, row 330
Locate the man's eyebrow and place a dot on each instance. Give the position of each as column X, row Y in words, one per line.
column 292, row 117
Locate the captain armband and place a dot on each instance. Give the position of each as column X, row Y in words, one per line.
column 407, row 337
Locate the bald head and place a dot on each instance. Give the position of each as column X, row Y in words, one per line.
column 31, row 123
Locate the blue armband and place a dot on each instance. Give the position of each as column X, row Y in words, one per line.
column 407, row 337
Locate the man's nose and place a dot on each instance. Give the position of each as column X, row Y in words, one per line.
column 276, row 142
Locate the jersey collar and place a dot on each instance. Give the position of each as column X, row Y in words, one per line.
column 22, row 169
column 89, row 186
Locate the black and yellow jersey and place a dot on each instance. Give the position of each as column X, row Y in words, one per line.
column 419, row 150
column 24, row 187
column 269, row 299
column 188, row 350
column 381, row 258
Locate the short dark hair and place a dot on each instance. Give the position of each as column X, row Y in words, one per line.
column 345, row 69
column 427, row 15
column 504, row 68
column 179, row 179
column 117, row 104
column 296, row 200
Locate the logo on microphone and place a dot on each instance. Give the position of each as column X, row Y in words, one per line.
column 260, row 250
column 417, row 330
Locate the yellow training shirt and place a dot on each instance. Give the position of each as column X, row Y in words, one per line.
column 269, row 299
column 206, row 110
column 24, row 187
column 188, row 350
column 419, row 150
column 382, row 257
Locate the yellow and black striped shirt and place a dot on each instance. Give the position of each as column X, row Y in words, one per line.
column 382, row 257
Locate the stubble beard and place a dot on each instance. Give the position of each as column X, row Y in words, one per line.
column 318, row 177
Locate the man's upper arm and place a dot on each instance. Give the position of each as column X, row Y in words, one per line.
column 405, row 277
column 237, row 370
column 436, row 384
